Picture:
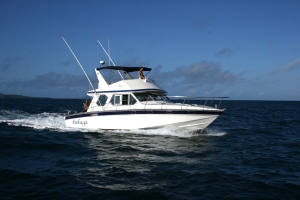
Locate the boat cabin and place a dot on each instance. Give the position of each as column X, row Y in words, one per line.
column 125, row 91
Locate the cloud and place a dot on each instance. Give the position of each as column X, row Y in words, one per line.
column 203, row 75
column 226, row 52
column 67, row 62
column 206, row 72
column 205, row 78
column 292, row 65
column 51, row 80
column 8, row 63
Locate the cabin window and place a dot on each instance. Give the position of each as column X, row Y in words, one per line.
column 125, row 99
column 143, row 97
column 151, row 96
column 112, row 100
column 117, row 100
column 128, row 99
column 132, row 100
column 157, row 97
column 102, row 100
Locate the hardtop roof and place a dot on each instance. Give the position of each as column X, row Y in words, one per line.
column 123, row 68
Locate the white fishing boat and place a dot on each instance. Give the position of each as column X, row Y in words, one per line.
column 134, row 103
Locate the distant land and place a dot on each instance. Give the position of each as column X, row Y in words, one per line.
column 15, row 96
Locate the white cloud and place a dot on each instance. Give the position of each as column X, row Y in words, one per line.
column 292, row 65
column 226, row 52
column 194, row 78
column 51, row 80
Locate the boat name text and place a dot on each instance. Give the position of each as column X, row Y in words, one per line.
column 83, row 123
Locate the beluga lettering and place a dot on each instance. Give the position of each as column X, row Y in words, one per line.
column 78, row 121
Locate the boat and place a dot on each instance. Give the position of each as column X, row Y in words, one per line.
column 130, row 102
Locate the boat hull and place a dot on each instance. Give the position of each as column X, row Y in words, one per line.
column 133, row 120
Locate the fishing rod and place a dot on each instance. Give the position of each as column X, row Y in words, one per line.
column 78, row 62
column 80, row 66
column 108, row 51
column 109, row 56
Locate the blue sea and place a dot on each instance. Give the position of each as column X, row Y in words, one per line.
column 252, row 151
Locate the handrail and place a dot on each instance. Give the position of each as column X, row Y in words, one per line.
column 196, row 97
column 184, row 100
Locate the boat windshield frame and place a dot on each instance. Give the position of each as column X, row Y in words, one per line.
column 151, row 96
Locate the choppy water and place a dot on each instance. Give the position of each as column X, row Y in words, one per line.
column 252, row 151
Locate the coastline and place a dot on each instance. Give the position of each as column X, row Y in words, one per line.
column 15, row 96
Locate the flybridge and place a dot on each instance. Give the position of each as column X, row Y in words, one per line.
column 124, row 73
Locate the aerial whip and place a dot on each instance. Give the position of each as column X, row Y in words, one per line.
column 109, row 56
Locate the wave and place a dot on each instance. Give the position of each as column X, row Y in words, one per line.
column 177, row 132
column 55, row 121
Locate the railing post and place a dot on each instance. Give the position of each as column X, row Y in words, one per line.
column 220, row 102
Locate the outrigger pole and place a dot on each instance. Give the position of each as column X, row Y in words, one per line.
column 78, row 62
column 108, row 56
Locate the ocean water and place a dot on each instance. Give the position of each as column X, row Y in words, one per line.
column 252, row 151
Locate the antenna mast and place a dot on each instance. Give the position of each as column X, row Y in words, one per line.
column 106, row 52
column 109, row 57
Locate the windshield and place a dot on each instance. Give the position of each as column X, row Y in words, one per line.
column 147, row 96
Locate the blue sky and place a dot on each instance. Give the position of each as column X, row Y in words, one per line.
column 247, row 50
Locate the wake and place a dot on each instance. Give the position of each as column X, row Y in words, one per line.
column 36, row 121
column 175, row 131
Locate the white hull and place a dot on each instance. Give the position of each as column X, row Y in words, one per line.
column 142, row 121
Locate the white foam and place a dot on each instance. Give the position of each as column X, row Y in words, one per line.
column 36, row 121
column 174, row 131
column 213, row 132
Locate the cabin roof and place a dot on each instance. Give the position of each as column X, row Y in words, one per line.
column 123, row 68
